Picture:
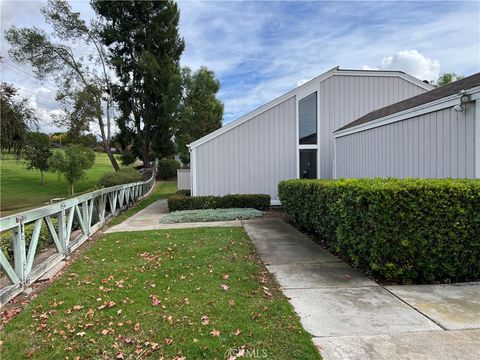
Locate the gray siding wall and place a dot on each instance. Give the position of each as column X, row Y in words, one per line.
column 435, row 145
column 346, row 98
column 254, row 156
column 251, row 158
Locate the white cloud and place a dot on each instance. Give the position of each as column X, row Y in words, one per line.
column 412, row 62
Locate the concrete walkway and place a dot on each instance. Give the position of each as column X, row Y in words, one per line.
column 149, row 219
column 352, row 317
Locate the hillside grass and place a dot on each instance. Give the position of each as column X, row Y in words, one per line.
column 21, row 189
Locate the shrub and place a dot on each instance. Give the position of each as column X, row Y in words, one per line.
column 167, row 168
column 411, row 230
column 183, row 192
column 122, row 176
column 209, row 215
column 256, row 201
column 127, row 157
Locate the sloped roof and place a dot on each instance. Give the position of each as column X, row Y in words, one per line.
column 429, row 96
column 334, row 71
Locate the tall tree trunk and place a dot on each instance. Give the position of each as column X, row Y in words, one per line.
column 106, row 144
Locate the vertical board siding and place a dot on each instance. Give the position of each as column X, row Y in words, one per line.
column 256, row 155
column 251, row 158
column 346, row 98
column 439, row 144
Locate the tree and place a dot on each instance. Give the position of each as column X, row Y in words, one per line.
column 200, row 111
column 72, row 163
column 447, row 78
column 37, row 152
column 17, row 118
column 145, row 48
column 51, row 56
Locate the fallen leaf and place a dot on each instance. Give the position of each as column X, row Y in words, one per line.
column 224, row 287
column 215, row 332
column 237, row 332
column 81, row 334
column 225, row 277
column 155, row 300
column 119, row 355
column 104, row 332
column 205, row 320
column 136, row 327
column 168, row 341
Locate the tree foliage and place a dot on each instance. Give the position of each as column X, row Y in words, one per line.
column 72, row 163
column 51, row 56
column 37, row 152
column 447, row 78
column 144, row 48
column 17, row 118
column 200, row 112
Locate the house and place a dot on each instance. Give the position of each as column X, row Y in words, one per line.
column 432, row 135
column 292, row 136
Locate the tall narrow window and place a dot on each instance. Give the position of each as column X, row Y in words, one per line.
column 308, row 163
column 307, row 120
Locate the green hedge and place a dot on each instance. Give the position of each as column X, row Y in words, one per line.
column 181, row 202
column 405, row 231
column 123, row 176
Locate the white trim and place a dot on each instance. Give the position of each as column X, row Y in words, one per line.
column 448, row 101
column 477, row 139
column 332, row 72
column 304, row 93
column 275, row 202
column 193, row 167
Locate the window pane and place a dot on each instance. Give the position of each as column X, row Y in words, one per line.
column 307, row 120
column 308, row 164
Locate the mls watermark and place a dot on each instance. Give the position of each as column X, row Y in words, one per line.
column 234, row 353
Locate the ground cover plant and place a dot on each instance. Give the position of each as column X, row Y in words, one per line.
column 176, row 294
column 21, row 189
column 398, row 230
column 210, row 215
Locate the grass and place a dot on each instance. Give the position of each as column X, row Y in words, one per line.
column 210, row 215
column 163, row 190
column 20, row 188
column 161, row 294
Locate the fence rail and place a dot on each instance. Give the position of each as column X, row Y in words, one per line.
column 90, row 210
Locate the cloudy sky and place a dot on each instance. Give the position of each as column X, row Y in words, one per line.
column 261, row 49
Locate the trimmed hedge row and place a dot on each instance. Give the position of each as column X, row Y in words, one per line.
column 400, row 230
column 181, row 202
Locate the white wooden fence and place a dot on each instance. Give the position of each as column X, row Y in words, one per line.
column 183, row 179
column 103, row 203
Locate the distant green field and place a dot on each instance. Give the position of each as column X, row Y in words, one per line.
column 20, row 188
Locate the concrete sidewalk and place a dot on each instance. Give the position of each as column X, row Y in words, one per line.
column 149, row 219
column 352, row 317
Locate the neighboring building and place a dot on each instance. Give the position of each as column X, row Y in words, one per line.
column 292, row 136
column 432, row 135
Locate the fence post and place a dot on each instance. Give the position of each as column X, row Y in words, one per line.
column 19, row 251
column 62, row 236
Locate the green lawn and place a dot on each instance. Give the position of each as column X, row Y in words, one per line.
column 172, row 294
column 20, row 188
